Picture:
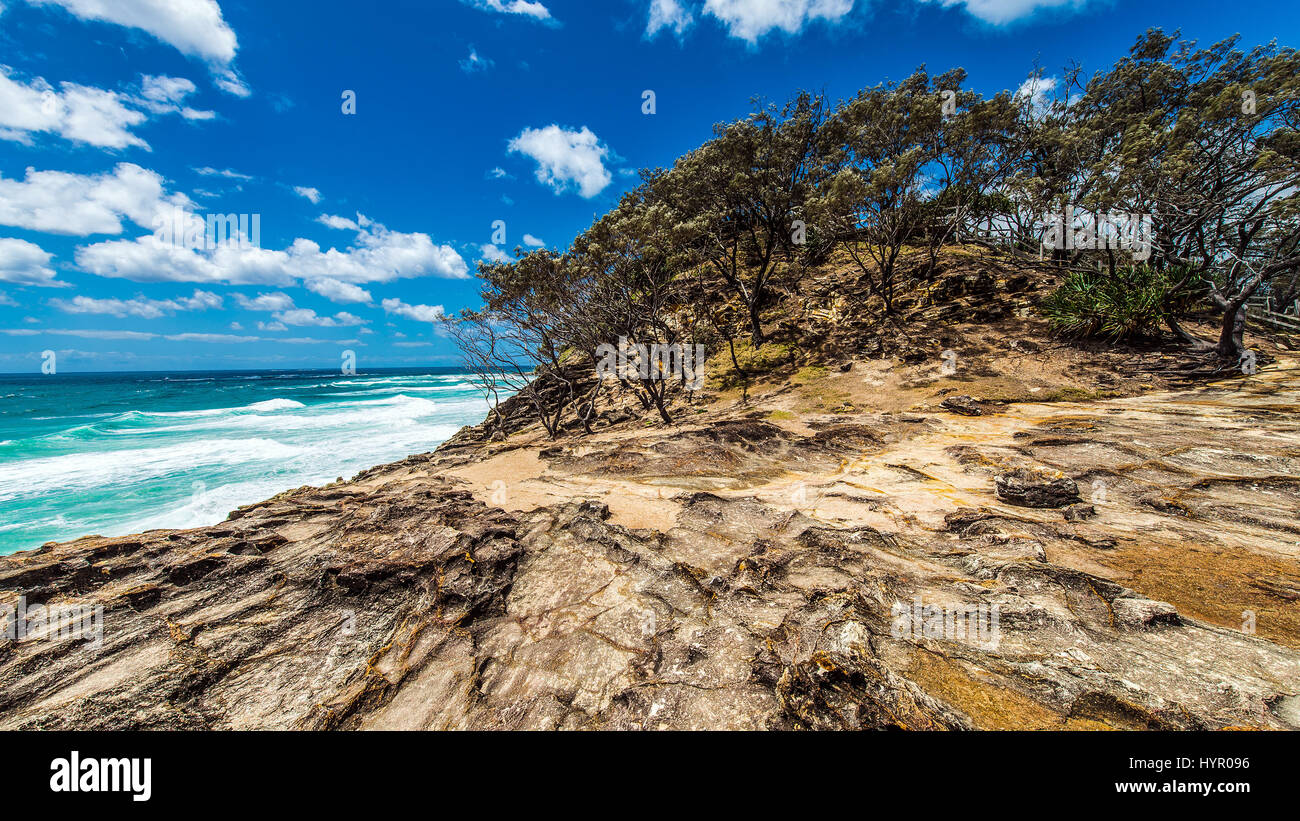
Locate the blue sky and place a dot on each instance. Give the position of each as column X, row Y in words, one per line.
column 119, row 118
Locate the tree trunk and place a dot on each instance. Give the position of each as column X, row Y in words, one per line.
column 756, row 325
column 1231, row 332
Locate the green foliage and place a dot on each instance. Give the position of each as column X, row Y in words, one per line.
column 1134, row 301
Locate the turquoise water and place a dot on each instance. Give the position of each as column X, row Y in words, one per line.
column 113, row 454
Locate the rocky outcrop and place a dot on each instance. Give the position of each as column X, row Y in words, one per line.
column 1037, row 488
column 735, row 573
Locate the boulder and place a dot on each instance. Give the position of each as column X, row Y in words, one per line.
column 1079, row 512
column 963, row 405
column 1027, row 487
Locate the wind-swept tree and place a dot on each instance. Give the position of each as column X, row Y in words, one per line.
column 880, row 147
column 637, row 263
column 739, row 196
column 1204, row 140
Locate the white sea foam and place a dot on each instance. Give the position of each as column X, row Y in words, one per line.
column 256, row 407
column 80, row 471
column 274, row 405
column 123, row 472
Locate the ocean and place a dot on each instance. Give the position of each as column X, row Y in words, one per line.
column 113, row 454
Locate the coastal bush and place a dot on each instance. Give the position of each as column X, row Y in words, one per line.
column 1200, row 144
column 1132, row 302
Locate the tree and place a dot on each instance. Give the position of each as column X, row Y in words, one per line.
column 636, row 265
column 1205, row 141
column 880, row 145
column 738, row 197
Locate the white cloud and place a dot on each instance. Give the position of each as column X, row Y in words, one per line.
column 166, row 95
column 340, row 223
column 377, row 255
column 194, row 27
column 535, row 10
column 310, row 194
column 341, row 292
column 533, row 242
column 88, row 115
column 5, row 299
column 668, row 14
column 1036, row 87
column 419, row 313
column 144, row 336
column 1001, row 12
column 491, row 253
column 140, row 307
column 214, row 338
column 565, row 158
column 165, row 91
column 208, row 171
column 25, row 263
column 78, row 113
column 56, row 202
column 272, row 327
column 82, row 205
column 750, row 19
column 475, row 62
column 84, row 334
column 306, row 317
column 1036, row 90
column 277, row 301
column 498, row 173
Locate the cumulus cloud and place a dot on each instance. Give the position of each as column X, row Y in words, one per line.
column 277, row 301
column 1001, row 12
column 565, row 159
column 672, row 15
column 56, row 202
column 193, row 27
column 376, row 255
column 527, row 8
column 166, row 95
column 140, row 307
column 306, row 317
column 491, row 253
column 419, row 313
column 75, row 112
column 750, row 19
column 310, row 194
column 340, row 223
column 340, row 292
column 88, row 115
column 533, row 242
column 25, row 263
column 1036, row 90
